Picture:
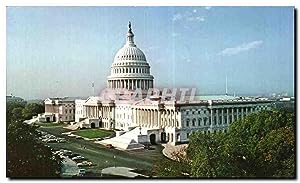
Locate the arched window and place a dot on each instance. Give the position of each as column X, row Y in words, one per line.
column 193, row 122
column 187, row 122
column 199, row 121
column 126, row 70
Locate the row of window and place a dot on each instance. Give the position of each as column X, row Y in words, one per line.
column 130, row 63
column 237, row 109
column 123, row 116
column 131, row 57
column 131, row 70
column 69, row 110
column 207, row 121
column 208, row 132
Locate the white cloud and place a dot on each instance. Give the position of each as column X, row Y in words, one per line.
column 241, row 48
column 197, row 18
column 188, row 16
column 207, row 7
column 174, row 34
column 176, row 17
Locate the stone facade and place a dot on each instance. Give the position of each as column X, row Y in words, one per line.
column 62, row 109
column 157, row 119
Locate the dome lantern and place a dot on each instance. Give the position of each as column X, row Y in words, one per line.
column 130, row 35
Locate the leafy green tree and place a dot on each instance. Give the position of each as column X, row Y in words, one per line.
column 27, row 156
column 16, row 114
column 260, row 145
column 169, row 168
column 32, row 109
column 208, row 159
column 245, row 140
column 276, row 151
column 10, row 106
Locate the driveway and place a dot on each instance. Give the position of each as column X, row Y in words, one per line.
column 69, row 168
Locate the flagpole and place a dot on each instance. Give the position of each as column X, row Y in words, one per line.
column 93, row 86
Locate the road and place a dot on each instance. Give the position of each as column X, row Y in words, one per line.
column 103, row 157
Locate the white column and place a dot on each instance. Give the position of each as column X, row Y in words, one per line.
column 242, row 112
column 158, row 118
column 232, row 114
column 135, row 84
column 222, row 117
column 132, row 84
column 227, row 118
column 217, row 117
column 211, row 118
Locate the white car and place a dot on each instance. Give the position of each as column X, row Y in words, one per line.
column 78, row 158
column 85, row 163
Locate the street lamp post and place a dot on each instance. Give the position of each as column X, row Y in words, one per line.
column 115, row 161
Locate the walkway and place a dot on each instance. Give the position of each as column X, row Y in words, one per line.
column 120, row 171
column 69, row 168
column 171, row 149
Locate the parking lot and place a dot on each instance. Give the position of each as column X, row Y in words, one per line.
column 94, row 157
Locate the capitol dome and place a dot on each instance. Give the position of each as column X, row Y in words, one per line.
column 130, row 69
column 130, row 53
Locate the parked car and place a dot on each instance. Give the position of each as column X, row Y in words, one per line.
column 84, row 163
column 81, row 172
column 73, row 155
column 109, row 146
column 79, row 137
column 51, row 141
column 78, row 158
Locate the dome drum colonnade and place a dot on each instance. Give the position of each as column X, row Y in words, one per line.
column 130, row 69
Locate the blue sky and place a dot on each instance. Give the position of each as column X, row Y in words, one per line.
column 60, row 51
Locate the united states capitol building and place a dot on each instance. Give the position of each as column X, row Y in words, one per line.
column 141, row 114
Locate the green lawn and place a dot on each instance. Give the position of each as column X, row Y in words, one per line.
column 51, row 124
column 93, row 133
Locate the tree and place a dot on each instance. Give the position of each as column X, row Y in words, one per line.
column 247, row 140
column 10, row 106
column 16, row 114
column 169, row 168
column 32, row 109
column 260, row 145
column 27, row 156
column 208, row 153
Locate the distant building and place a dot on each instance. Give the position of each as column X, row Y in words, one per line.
column 11, row 98
column 60, row 109
column 79, row 110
